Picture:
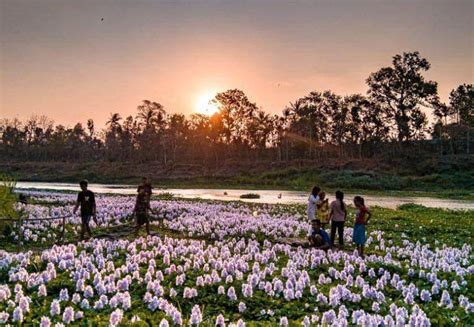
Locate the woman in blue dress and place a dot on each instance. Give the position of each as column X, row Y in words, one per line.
column 363, row 216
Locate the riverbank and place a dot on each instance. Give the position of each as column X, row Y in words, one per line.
column 448, row 183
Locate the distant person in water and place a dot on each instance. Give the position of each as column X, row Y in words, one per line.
column 337, row 215
column 146, row 186
column 86, row 200
column 141, row 211
column 363, row 216
column 312, row 203
column 323, row 209
column 318, row 237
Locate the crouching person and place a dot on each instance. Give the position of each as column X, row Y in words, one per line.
column 318, row 237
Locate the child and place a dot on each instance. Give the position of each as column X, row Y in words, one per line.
column 323, row 208
column 363, row 216
column 86, row 199
column 318, row 237
column 312, row 203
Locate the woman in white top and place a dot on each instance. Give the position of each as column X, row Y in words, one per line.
column 312, row 203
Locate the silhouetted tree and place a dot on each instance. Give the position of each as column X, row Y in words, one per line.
column 402, row 91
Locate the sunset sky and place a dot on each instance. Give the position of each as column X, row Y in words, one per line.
column 59, row 58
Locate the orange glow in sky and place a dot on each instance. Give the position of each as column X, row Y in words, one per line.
column 203, row 103
column 75, row 60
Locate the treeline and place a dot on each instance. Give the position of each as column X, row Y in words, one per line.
column 391, row 119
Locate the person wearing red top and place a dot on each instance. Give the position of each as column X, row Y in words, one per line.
column 363, row 216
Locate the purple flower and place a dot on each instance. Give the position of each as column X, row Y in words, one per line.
column 196, row 316
column 4, row 317
column 68, row 315
column 220, row 322
column 55, row 308
column 242, row 307
column 116, row 317
column 425, row 296
column 18, row 314
column 231, row 294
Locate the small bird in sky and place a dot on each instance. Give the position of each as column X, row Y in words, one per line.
column 102, row 19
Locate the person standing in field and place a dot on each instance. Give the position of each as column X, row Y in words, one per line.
column 363, row 216
column 323, row 209
column 146, row 186
column 312, row 203
column 337, row 215
column 141, row 211
column 86, row 200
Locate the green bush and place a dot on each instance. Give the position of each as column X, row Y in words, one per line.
column 7, row 203
column 250, row 196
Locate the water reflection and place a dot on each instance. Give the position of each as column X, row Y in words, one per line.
column 266, row 196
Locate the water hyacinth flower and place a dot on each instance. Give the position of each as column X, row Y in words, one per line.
column 55, row 308
column 231, row 294
column 115, row 317
column 4, row 317
column 247, row 290
column 196, row 316
column 17, row 315
column 220, row 321
column 284, row 321
column 306, row 321
column 446, row 300
column 45, row 322
column 221, row 290
column 425, row 296
column 42, row 292
column 242, row 307
column 68, row 315
column 64, row 295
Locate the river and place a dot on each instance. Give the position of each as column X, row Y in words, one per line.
column 266, row 196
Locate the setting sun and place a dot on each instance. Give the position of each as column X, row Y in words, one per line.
column 203, row 104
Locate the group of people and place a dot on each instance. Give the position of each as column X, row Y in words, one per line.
column 86, row 201
column 321, row 213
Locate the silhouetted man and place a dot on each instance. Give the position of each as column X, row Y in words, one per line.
column 86, row 199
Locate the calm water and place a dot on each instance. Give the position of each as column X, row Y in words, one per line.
column 266, row 196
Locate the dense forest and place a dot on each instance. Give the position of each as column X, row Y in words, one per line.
column 390, row 121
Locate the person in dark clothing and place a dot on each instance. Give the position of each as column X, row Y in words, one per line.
column 86, row 200
column 23, row 198
column 146, row 186
column 142, row 209
column 338, row 216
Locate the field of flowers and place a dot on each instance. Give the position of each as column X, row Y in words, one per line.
column 215, row 263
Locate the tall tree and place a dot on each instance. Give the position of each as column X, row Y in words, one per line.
column 462, row 102
column 151, row 114
column 403, row 92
